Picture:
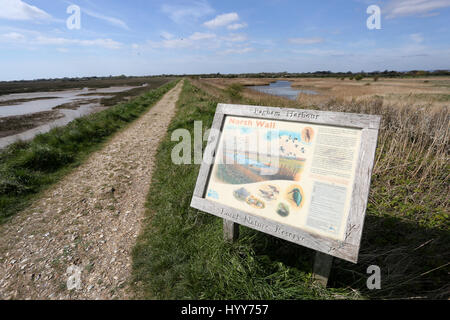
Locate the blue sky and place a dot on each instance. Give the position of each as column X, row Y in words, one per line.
column 145, row 37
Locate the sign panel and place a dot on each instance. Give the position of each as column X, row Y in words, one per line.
column 300, row 175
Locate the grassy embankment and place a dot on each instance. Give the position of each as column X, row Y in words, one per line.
column 181, row 253
column 27, row 168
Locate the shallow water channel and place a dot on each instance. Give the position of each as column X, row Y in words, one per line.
column 87, row 100
column 282, row 89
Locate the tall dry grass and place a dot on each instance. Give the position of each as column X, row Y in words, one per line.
column 411, row 140
column 407, row 227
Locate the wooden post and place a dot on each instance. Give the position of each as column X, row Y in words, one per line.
column 322, row 268
column 230, row 230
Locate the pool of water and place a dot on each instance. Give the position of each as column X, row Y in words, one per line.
column 282, row 89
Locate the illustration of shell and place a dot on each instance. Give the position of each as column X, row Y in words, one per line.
column 255, row 202
column 241, row 194
column 283, row 209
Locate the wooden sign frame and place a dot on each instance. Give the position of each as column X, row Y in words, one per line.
column 347, row 249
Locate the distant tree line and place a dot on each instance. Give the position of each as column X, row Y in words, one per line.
column 93, row 78
column 329, row 74
column 318, row 74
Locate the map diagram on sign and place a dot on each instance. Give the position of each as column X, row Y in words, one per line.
column 298, row 174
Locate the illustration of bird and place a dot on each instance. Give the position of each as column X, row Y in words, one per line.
column 297, row 196
column 308, row 135
column 274, row 189
column 267, row 195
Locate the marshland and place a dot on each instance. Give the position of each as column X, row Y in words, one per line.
column 28, row 108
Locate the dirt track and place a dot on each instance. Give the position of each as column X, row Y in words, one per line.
column 85, row 226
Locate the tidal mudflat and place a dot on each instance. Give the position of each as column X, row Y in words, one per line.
column 24, row 115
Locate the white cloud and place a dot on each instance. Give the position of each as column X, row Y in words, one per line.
column 237, row 26
column 236, row 38
column 202, row 36
column 194, row 40
column 111, row 20
column 19, row 10
column 14, row 36
column 238, row 50
column 306, row 40
column 222, row 20
column 167, row 35
column 194, row 10
column 105, row 43
column 364, row 43
column 402, row 8
column 172, row 44
column 417, row 37
column 320, row 52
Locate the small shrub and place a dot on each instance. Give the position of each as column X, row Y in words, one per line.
column 44, row 158
column 234, row 91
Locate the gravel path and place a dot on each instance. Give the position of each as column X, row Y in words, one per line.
column 80, row 233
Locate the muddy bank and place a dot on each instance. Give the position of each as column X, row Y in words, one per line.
column 20, row 101
column 17, row 124
column 27, row 126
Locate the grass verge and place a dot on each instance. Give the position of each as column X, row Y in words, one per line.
column 181, row 254
column 27, row 168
